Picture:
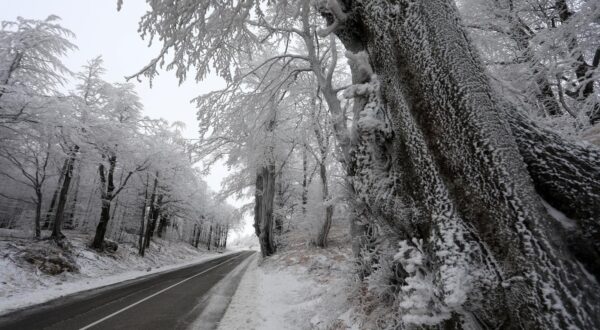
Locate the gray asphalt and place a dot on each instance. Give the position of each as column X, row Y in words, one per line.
column 169, row 300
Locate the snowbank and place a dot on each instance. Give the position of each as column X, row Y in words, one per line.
column 297, row 289
column 23, row 284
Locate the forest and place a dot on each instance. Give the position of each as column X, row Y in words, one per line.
column 87, row 159
column 456, row 142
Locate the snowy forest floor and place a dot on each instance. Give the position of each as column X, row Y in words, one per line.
column 26, row 266
column 299, row 287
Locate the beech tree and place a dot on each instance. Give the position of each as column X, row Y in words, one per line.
column 453, row 159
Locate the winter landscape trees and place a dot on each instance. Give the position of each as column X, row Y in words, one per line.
column 454, row 146
column 87, row 159
column 444, row 163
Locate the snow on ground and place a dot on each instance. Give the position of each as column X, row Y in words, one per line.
column 24, row 284
column 298, row 288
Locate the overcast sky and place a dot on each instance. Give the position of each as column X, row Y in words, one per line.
column 102, row 30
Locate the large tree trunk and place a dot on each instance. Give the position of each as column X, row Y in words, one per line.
column 263, row 209
column 51, row 209
column 438, row 166
column 63, row 196
column 98, row 242
column 107, row 189
column 70, row 223
column 154, row 217
column 566, row 175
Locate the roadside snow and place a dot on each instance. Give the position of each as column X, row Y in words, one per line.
column 219, row 297
column 292, row 290
column 22, row 284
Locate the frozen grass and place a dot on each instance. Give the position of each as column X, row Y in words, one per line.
column 24, row 284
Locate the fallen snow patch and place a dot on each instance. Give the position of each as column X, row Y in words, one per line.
column 293, row 290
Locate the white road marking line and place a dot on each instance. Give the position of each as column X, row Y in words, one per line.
column 155, row 294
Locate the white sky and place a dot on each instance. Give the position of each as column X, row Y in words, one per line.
column 101, row 30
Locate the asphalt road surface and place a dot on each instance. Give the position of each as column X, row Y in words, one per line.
column 169, row 300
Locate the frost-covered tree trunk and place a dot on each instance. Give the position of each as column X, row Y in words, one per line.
column 154, row 218
column 108, row 191
column 64, row 194
column 38, row 213
column 444, row 173
column 51, row 208
column 264, row 198
column 70, row 223
column 566, row 176
column 107, row 187
column 263, row 209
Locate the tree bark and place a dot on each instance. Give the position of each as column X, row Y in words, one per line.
column 70, row 223
column 51, row 210
column 443, row 171
column 566, row 176
column 107, row 189
column 154, row 217
column 210, row 231
column 64, row 195
column 263, row 209
column 38, row 213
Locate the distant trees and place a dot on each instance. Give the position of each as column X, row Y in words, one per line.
column 87, row 159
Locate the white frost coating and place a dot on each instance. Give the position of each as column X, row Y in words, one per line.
column 431, row 294
column 418, row 300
